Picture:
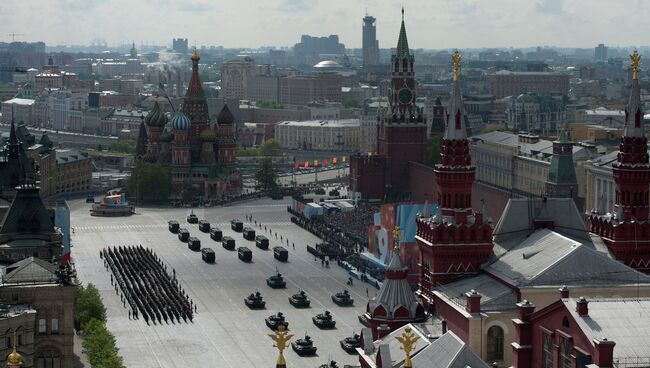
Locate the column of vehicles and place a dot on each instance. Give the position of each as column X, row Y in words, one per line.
column 227, row 242
column 303, row 346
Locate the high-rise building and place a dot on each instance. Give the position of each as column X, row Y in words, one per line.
column 179, row 45
column 235, row 75
column 369, row 42
column 309, row 48
column 600, row 52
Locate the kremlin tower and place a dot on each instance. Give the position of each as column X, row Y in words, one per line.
column 456, row 241
column 624, row 229
column 401, row 135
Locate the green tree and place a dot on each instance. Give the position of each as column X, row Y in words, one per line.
column 266, row 176
column 272, row 147
column 150, row 183
column 493, row 128
column 268, row 103
column 99, row 346
column 88, row 305
column 123, row 146
column 434, row 147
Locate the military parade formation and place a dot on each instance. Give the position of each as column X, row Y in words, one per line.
column 146, row 285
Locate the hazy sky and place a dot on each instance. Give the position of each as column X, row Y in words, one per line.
column 253, row 23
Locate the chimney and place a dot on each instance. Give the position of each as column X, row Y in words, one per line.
column 604, row 356
column 582, row 306
column 564, row 292
column 382, row 330
column 444, row 326
column 526, row 308
column 473, row 302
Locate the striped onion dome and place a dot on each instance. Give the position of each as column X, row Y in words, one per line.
column 180, row 121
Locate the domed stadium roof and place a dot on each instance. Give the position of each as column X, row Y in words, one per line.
column 180, row 121
column 328, row 64
column 156, row 117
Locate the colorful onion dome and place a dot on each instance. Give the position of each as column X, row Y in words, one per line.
column 180, row 121
column 225, row 116
column 156, row 117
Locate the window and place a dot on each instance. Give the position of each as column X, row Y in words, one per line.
column 547, row 352
column 495, row 343
column 565, row 353
column 55, row 325
column 42, row 326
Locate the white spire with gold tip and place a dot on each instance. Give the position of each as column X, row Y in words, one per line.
column 633, row 111
column 456, row 128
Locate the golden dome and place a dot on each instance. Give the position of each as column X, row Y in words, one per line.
column 208, row 135
column 195, row 56
column 14, row 359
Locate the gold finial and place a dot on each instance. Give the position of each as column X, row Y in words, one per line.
column 407, row 340
column 397, row 236
column 635, row 58
column 14, row 359
column 195, row 55
column 281, row 338
column 456, row 58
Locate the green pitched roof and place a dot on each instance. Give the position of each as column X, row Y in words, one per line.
column 402, row 43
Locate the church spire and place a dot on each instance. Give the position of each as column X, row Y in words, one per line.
column 455, row 126
column 633, row 113
column 141, row 144
column 402, row 42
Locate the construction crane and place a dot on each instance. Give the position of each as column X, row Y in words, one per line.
column 13, row 35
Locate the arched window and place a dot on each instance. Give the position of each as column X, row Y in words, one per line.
column 495, row 343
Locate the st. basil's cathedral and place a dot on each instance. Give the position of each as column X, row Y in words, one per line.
column 200, row 155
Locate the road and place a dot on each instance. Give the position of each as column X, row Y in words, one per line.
column 225, row 333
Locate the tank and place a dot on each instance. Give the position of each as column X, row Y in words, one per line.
column 351, row 343
column 173, row 226
column 324, row 320
column 304, row 346
column 192, row 218
column 300, row 300
column 274, row 320
column 343, row 299
column 276, row 281
column 255, row 301
column 330, row 364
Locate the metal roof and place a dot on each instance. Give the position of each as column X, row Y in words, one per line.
column 448, row 351
column 624, row 321
column 517, row 220
column 549, row 258
column 323, row 123
column 494, row 294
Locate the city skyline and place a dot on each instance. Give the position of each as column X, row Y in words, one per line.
column 247, row 24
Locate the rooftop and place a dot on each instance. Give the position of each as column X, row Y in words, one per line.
column 20, row 101
column 323, row 123
column 624, row 321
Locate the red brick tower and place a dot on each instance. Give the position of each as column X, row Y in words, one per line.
column 626, row 230
column 402, row 133
column 456, row 241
